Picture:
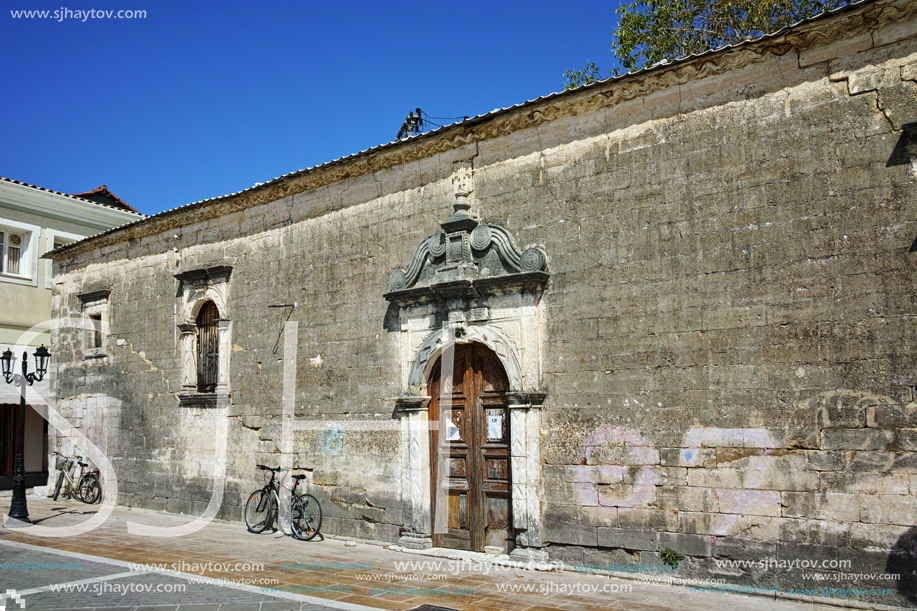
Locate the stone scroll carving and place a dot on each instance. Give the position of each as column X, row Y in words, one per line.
column 470, row 257
column 482, row 238
column 531, row 260
column 433, row 246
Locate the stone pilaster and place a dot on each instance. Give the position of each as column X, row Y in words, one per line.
column 416, row 494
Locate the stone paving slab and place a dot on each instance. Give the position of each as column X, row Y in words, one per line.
column 330, row 572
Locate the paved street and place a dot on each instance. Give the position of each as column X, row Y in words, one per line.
column 52, row 580
column 57, row 580
column 99, row 570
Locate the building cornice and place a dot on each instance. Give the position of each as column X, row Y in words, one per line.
column 48, row 204
column 843, row 23
column 96, row 295
column 218, row 273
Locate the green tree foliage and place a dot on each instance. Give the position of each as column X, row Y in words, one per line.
column 650, row 31
column 575, row 78
column 653, row 30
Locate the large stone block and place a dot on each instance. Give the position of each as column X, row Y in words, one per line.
column 569, row 533
column 887, row 509
column 826, row 460
column 907, row 439
column 689, row 545
column 627, row 539
column 854, row 439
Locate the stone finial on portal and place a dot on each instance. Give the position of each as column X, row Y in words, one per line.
column 463, row 177
column 462, row 186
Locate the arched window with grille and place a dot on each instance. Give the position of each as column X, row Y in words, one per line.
column 204, row 334
column 208, row 348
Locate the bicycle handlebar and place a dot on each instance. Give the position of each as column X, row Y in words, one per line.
column 276, row 469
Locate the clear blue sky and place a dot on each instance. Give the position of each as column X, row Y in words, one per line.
column 198, row 100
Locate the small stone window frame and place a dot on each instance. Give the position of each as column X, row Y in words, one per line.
column 95, row 310
column 196, row 289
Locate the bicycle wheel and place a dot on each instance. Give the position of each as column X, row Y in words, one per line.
column 305, row 517
column 258, row 511
column 90, row 490
column 60, row 482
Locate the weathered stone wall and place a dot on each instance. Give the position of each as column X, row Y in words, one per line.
column 727, row 343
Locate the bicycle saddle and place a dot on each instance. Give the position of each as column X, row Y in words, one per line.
column 299, row 477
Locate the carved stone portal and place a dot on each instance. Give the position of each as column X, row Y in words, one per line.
column 471, row 283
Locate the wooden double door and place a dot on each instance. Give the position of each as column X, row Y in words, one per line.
column 470, row 450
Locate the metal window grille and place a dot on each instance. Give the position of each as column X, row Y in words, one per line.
column 13, row 253
column 208, row 348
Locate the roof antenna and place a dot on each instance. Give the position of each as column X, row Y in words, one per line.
column 412, row 126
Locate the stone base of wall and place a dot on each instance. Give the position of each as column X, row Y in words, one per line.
column 756, row 568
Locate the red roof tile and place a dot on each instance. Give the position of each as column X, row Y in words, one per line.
column 102, row 195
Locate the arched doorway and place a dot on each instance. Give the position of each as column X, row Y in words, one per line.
column 470, row 450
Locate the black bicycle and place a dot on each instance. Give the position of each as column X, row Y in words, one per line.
column 262, row 506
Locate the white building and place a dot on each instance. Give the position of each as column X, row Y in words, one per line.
column 34, row 220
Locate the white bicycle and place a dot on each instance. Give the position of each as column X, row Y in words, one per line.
column 84, row 485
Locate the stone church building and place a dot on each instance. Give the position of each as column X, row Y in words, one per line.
column 671, row 310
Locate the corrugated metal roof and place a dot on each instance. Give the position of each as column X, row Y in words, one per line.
column 481, row 118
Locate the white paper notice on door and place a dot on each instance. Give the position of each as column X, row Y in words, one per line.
column 494, row 425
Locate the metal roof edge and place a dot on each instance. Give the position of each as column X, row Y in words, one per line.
column 479, row 119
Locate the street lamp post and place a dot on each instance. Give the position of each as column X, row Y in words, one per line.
column 19, row 510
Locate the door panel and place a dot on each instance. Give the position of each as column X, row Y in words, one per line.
column 472, row 438
column 452, row 434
